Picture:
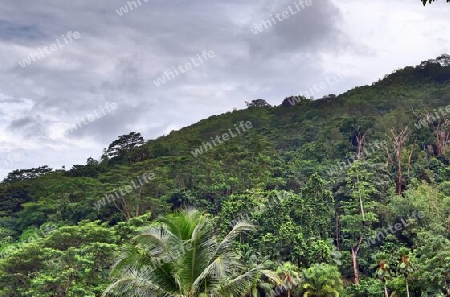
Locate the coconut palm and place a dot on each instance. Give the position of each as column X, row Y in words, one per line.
column 182, row 257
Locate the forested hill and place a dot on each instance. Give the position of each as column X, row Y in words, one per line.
column 347, row 167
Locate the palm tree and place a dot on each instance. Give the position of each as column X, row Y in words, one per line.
column 321, row 280
column 405, row 266
column 289, row 276
column 182, row 257
column 383, row 271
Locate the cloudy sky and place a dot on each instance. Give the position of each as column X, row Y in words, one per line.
column 116, row 59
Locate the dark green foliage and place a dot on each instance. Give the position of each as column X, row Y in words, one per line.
column 26, row 174
column 257, row 103
column 124, row 145
column 294, row 175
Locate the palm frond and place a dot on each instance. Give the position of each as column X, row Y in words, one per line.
column 238, row 286
column 237, row 230
column 136, row 284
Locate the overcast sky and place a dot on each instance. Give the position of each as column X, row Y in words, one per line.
column 116, row 59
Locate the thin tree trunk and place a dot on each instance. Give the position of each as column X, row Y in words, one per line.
column 355, row 265
column 399, row 180
column 409, row 159
column 120, row 209
column 355, row 251
column 67, row 287
column 386, row 293
column 398, row 142
column 360, row 199
column 337, row 230
column 389, row 158
column 138, row 200
column 407, row 287
column 360, row 139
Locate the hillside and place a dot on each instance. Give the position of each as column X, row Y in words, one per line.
column 347, row 168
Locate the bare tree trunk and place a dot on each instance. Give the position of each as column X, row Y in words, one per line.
column 119, row 209
column 389, row 157
column 355, row 251
column 442, row 136
column 337, row 230
column 360, row 199
column 138, row 200
column 126, row 208
column 409, row 158
column 407, row 287
column 355, row 265
column 398, row 142
column 67, row 287
column 399, row 179
column 386, row 293
column 360, row 139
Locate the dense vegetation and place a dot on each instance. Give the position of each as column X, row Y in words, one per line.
column 345, row 195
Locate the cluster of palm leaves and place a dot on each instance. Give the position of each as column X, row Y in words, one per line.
column 182, row 257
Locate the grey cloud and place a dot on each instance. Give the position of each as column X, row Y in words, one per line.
column 118, row 57
column 29, row 127
column 20, row 123
column 313, row 28
column 18, row 33
column 106, row 127
column 12, row 101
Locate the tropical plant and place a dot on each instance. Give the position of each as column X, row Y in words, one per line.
column 289, row 276
column 181, row 256
column 321, row 280
column 383, row 271
column 405, row 267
